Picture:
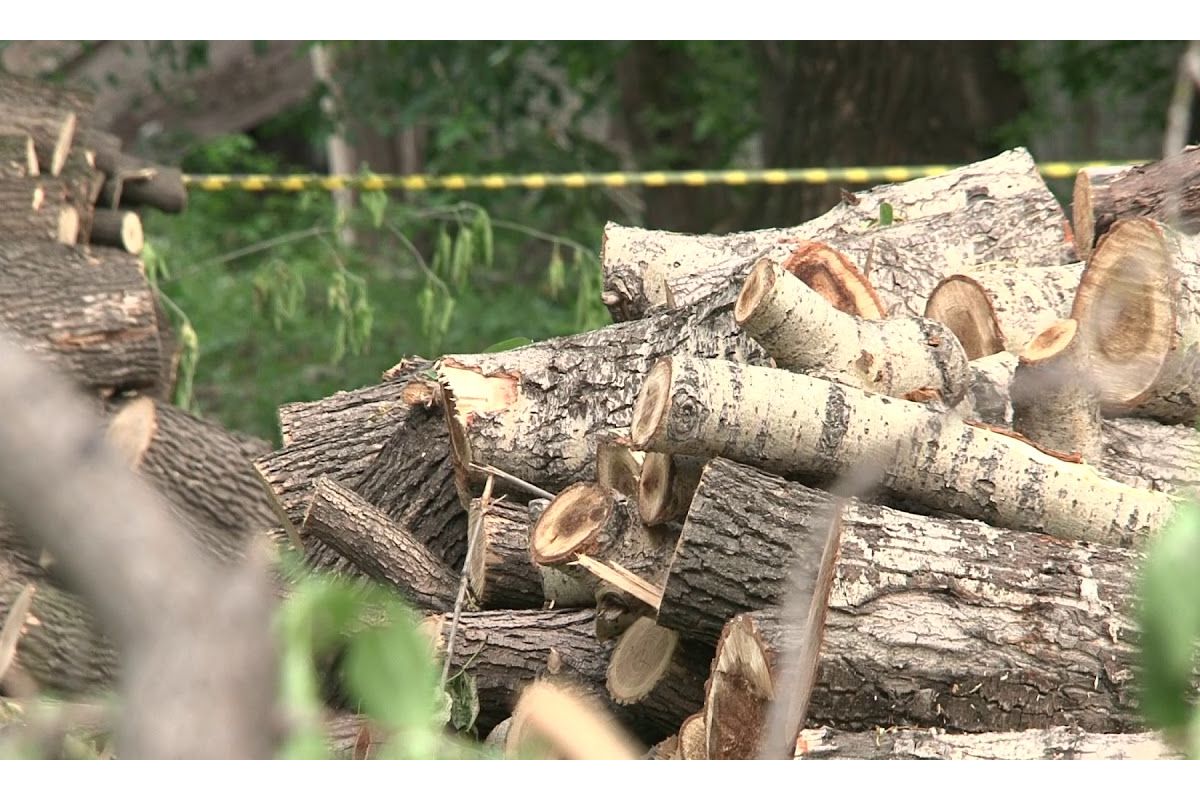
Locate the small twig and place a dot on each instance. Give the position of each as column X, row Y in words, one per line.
column 472, row 537
column 513, row 479
column 14, row 624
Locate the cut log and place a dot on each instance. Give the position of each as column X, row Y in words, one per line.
column 133, row 182
column 1137, row 311
column 387, row 553
column 18, row 159
column 1104, row 196
column 1053, row 744
column 553, row 720
column 1054, row 400
column 831, row 275
column 202, row 470
column 411, row 480
column 121, row 229
column 29, row 213
column 931, row 622
column 657, row 676
column 500, row 571
column 901, row 357
column 535, row 411
column 1002, row 306
column 617, row 465
column 693, row 739
column 708, row 407
column 666, row 487
column 975, row 210
column 89, row 315
column 506, row 650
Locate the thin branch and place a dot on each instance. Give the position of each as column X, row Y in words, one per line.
column 536, row 491
column 472, row 538
column 14, row 625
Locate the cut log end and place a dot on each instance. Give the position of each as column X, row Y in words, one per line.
column 553, row 720
column 115, row 228
column 618, row 466
column 68, row 226
column 62, row 144
column 740, row 689
column 640, row 660
column 1082, row 214
column 962, row 305
column 132, row 429
column 1050, row 342
column 654, row 489
column 692, row 738
column 572, row 523
column 1125, row 310
column 465, row 393
column 757, row 286
column 831, row 274
column 653, row 402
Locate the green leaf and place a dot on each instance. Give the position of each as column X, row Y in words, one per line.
column 886, row 214
column 556, row 273
column 464, row 694
column 443, row 255
column 376, row 204
column 483, row 230
column 508, row 344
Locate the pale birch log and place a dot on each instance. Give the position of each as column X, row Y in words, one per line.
column 1052, row 744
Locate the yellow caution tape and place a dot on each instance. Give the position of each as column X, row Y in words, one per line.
column 584, row 180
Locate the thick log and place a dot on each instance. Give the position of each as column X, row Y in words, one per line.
column 943, row 223
column 535, row 411
column 1138, row 311
column 411, row 480
column 666, row 487
column 506, row 650
column 1101, row 198
column 657, row 676
column 90, row 316
column 931, row 622
column 1003, row 306
column 384, row 551
column 18, row 159
column 29, row 213
column 134, row 182
column 902, row 357
column 121, row 229
column 500, row 571
column 1055, row 403
column 707, row 407
column 202, row 470
column 1052, row 744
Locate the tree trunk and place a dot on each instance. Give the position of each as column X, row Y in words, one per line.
column 931, row 622
column 90, row 315
column 658, row 677
column 535, row 411
column 1054, row 401
column 1003, row 306
column 707, row 407
column 1052, row 744
column 1145, row 191
column 122, row 229
column 1138, row 311
column 501, row 572
column 384, row 551
column 911, row 357
column 946, row 219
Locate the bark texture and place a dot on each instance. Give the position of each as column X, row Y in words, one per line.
column 501, row 571
column 658, row 677
column 1052, row 744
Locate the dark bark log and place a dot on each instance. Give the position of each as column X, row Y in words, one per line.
column 384, row 551
column 133, row 182
column 535, row 411
column 501, row 572
column 931, row 622
column 18, row 159
column 122, row 229
column 1144, row 191
column 1057, row 744
column 28, row 213
column 658, row 677
column 89, row 315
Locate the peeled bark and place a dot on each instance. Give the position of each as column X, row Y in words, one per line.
column 1104, row 196
column 708, row 407
column 1054, row 401
column 90, row 316
column 506, row 650
column 1057, row 744
column 666, row 487
column 384, row 551
column 202, row 470
column 500, row 570
column 931, row 622
column 911, row 357
column 976, row 207
column 1003, row 306
column 121, row 229
column 658, row 677
column 535, row 411
column 1138, row 311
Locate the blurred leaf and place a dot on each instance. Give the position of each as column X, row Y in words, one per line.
column 465, row 701
column 556, row 273
column 376, row 204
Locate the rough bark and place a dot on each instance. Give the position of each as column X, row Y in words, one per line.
column 501, row 572
column 901, row 357
column 121, row 229
column 506, row 650
column 411, row 481
column 1003, row 306
column 658, row 677
column 1138, row 311
column 931, row 622
column 1143, row 191
column 1054, row 401
column 386, row 552
column 535, row 411
column 37, row 96
column 53, row 135
column 202, row 470
column 90, row 316
column 1053, row 744
column 18, row 159
column 29, row 213
column 666, row 487
column 171, row 351
column 133, row 182
column 703, row 406
column 977, row 207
